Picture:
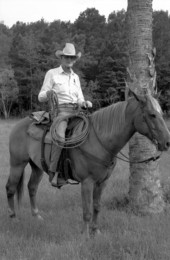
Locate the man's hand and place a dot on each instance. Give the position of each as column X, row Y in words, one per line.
column 49, row 93
column 87, row 104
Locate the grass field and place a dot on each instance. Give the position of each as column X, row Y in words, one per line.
column 124, row 235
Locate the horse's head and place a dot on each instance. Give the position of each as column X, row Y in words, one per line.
column 149, row 121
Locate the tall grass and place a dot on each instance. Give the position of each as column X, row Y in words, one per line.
column 124, row 235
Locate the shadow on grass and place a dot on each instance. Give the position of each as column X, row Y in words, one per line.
column 120, row 203
column 166, row 192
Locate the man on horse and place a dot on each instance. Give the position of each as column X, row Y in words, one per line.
column 66, row 85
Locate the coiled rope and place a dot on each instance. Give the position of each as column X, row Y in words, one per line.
column 73, row 141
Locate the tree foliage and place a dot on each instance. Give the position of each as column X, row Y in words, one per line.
column 29, row 51
column 8, row 91
column 161, row 38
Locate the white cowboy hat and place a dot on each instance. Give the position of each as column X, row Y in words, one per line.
column 69, row 50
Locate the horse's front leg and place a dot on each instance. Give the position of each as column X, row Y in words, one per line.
column 98, row 188
column 33, row 183
column 87, row 201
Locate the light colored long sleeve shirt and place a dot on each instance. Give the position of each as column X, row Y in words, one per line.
column 66, row 86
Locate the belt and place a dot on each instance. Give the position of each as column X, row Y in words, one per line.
column 68, row 105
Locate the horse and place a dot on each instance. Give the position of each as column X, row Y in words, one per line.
column 110, row 128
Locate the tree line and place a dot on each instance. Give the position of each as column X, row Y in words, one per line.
column 27, row 52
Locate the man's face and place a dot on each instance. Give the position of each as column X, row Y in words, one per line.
column 68, row 61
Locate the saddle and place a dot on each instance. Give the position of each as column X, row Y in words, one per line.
column 40, row 131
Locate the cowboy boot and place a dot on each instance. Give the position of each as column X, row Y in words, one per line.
column 59, row 181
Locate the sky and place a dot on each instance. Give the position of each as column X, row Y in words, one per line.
column 28, row 11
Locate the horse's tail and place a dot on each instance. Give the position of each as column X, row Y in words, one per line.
column 20, row 188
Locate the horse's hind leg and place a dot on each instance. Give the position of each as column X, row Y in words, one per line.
column 33, row 183
column 14, row 183
column 98, row 188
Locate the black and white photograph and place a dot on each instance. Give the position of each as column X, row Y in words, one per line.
column 84, row 130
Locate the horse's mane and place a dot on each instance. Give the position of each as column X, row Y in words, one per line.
column 110, row 120
column 156, row 104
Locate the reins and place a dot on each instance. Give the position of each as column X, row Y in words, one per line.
column 153, row 158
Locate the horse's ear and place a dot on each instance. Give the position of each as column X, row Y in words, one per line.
column 139, row 98
column 157, row 95
column 134, row 94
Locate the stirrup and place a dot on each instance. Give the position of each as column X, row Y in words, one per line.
column 60, row 182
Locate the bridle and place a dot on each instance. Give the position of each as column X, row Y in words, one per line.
column 153, row 158
column 149, row 125
column 125, row 159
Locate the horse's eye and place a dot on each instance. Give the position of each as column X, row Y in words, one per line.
column 153, row 115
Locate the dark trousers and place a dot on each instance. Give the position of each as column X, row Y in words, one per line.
column 56, row 150
column 55, row 155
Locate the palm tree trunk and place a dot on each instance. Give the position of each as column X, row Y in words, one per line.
column 4, row 107
column 145, row 192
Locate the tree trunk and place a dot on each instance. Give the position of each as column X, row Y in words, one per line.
column 145, row 192
column 4, row 108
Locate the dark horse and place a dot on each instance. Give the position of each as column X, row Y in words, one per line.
column 110, row 129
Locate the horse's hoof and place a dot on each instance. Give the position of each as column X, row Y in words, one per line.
column 39, row 217
column 98, row 232
column 11, row 213
column 35, row 214
column 95, row 232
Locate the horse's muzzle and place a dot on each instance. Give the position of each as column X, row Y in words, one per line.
column 167, row 145
column 163, row 147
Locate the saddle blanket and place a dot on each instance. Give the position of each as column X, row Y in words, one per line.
column 41, row 119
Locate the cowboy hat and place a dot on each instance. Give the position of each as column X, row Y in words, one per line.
column 69, row 50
